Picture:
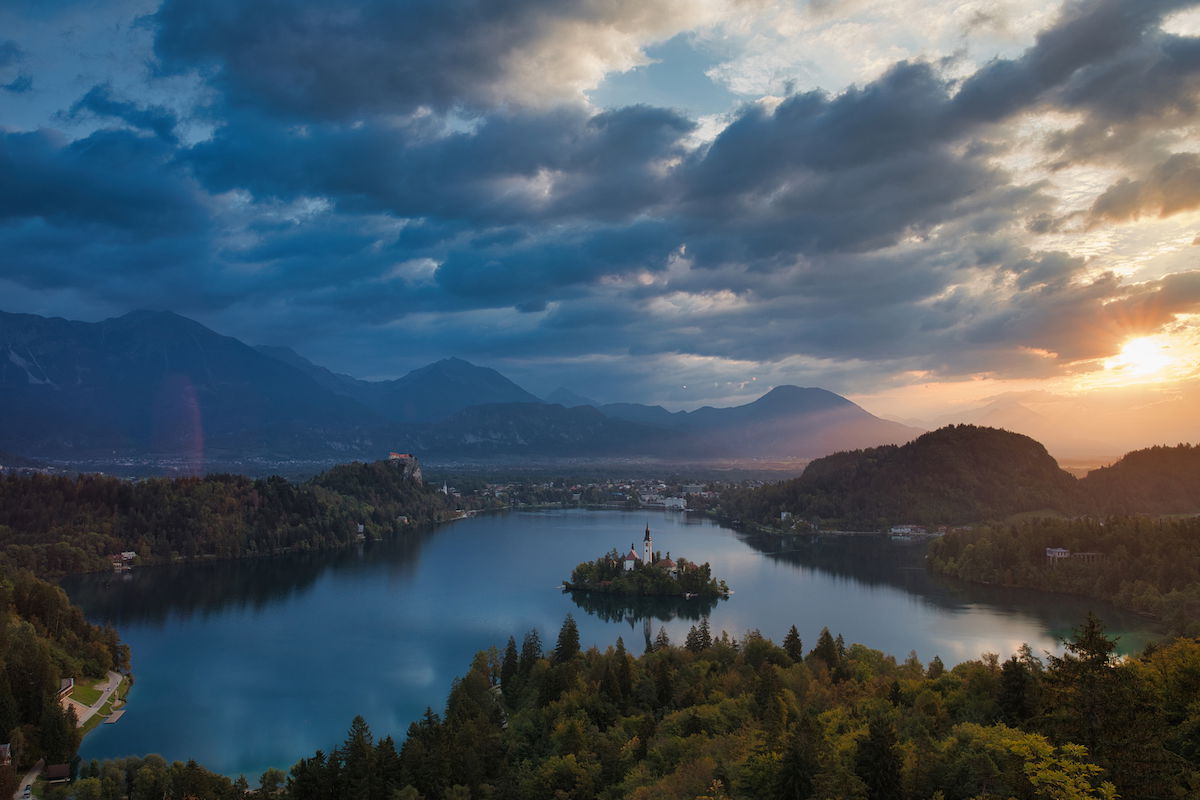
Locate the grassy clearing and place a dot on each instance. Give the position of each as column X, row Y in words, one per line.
column 86, row 691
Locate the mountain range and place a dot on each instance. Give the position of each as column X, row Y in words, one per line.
column 158, row 385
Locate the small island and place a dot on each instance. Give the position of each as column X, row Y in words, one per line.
column 646, row 575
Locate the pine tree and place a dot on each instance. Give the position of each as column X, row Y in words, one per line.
column 662, row 641
column 699, row 638
column 510, row 665
column 358, row 756
column 567, row 646
column 1080, row 682
column 826, row 650
column 800, row 760
column 878, row 761
column 706, row 640
column 793, row 646
column 531, row 651
column 1013, row 698
column 624, row 671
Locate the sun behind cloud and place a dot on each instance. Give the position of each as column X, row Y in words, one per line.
column 1143, row 357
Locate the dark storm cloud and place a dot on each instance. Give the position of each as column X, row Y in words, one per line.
column 114, row 179
column 108, row 214
column 816, row 175
column 396, row 164
column 599, row 167
column 102, row 102
column 313, row 60
column 541, row 269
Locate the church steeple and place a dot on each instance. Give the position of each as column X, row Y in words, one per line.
column 647, row 547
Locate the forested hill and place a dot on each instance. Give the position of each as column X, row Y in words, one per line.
column 44, row 638
column 956, row 474
column 55, row 524
column 1157, row 480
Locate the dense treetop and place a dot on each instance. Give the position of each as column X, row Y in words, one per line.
column 1157, row 480
column 607, row 574
column 1148, row 565
column 743, row 718
column 57, row 524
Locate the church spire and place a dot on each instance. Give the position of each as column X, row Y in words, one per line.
column 647, row 547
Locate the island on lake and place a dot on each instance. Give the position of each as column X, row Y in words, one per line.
column 646, row 575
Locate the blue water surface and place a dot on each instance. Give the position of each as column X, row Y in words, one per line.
column 245, row 665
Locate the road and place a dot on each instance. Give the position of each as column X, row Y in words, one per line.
column 28, row 780
column 84, row 713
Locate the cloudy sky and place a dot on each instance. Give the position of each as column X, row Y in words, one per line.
column 922, row 204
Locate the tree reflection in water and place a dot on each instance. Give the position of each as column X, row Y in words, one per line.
column 634, row 609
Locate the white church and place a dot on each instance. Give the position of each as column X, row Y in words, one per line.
column 632, row 558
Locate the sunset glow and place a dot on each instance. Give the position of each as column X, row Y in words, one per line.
column 1143, row 357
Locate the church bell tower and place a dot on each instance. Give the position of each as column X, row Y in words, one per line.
column 647, row 547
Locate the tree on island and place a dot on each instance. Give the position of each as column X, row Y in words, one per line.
column 663, row 578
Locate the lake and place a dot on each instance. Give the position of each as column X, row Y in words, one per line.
column 244, row 665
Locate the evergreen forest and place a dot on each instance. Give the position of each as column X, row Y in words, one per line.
column 1141, row 563
column 718, row 718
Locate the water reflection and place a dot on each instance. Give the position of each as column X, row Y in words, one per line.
column 154, row 594
column 876, row 561
column 626, row 608
column 631, row 609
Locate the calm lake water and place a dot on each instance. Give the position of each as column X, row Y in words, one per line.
column 250, row 664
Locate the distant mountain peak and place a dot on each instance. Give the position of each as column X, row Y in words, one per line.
column 438, row 390
column 787, row 394
column 158, row 320
column 450, row 366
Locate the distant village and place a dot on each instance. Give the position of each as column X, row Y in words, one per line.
column 648, row 493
